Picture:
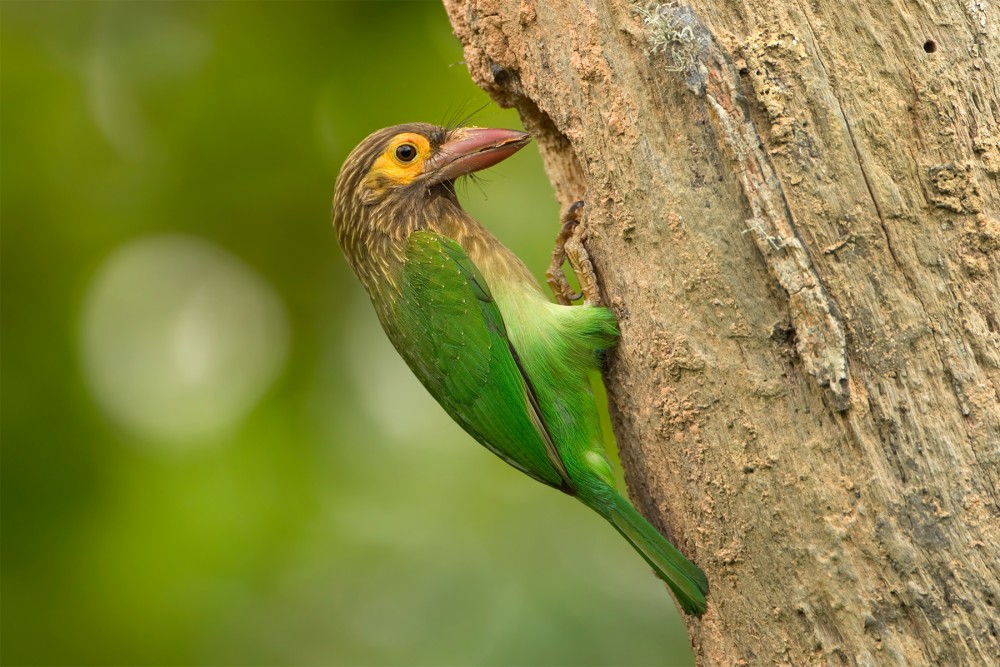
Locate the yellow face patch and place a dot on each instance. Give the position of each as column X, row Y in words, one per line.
column 402, row 161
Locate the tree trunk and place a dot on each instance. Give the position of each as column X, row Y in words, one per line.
column 793, row 210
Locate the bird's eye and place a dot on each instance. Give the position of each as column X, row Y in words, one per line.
column 406, row 152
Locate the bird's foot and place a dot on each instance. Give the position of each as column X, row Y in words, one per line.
column 570, row 247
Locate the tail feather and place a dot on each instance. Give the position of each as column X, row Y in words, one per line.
column 688, row 583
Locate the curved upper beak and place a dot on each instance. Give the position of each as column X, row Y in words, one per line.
column 470, row 149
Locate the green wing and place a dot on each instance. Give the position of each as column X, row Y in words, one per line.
column 449, row 330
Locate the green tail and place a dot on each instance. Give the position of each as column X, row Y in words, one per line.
column 685, row 579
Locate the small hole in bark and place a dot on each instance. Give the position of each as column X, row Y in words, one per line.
column 501, row 77
column 783, row 333
column 930, row 46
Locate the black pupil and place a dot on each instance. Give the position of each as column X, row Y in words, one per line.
column 406, row 152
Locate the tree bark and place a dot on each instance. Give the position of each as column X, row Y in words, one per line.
column 793, row 210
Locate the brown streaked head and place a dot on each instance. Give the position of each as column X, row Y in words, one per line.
column 397, row 173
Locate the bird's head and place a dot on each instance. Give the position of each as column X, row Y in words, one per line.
column 395, row 173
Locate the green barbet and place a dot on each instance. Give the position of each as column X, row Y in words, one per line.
column 511, row 367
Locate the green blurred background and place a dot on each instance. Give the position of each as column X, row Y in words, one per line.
column 211, row 455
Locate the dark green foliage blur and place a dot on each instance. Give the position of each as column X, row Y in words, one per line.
column 211, row 456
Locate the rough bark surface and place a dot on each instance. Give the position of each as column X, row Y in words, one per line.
column 793, row 209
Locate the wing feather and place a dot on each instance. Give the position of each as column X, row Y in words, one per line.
column 451, row 332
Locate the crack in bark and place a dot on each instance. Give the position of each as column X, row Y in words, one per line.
column 957, row 391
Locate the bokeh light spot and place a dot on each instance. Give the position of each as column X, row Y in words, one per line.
column 180, row 339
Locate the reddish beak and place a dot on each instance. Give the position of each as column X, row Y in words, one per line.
column 470, row 149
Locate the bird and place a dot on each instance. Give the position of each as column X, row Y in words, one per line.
column 475, row 327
